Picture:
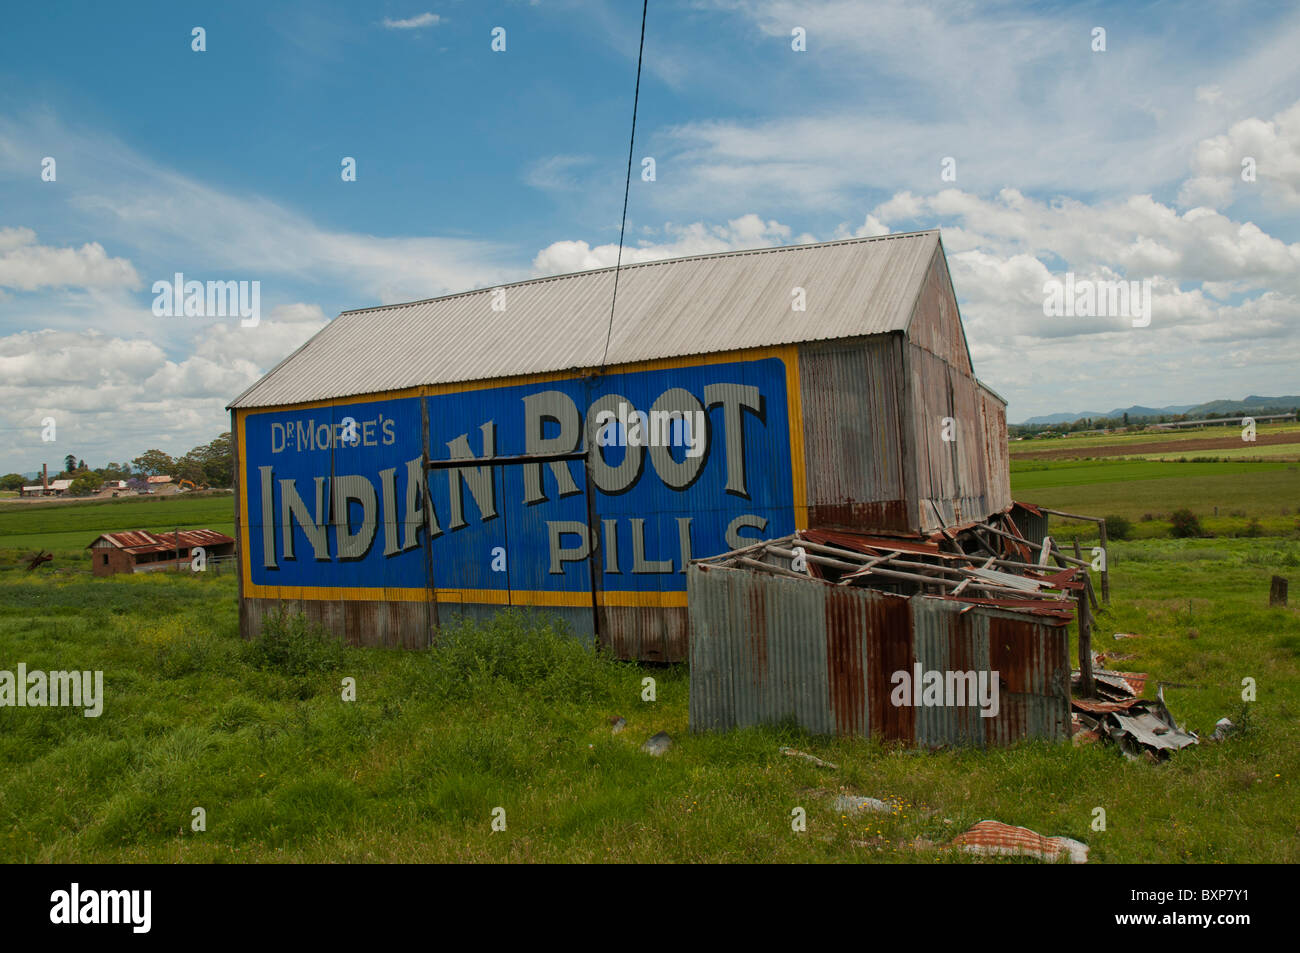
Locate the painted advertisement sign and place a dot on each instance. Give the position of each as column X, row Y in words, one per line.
column 691, row 461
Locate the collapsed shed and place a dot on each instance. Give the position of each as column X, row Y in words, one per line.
column 417, row 463
column 954, row 638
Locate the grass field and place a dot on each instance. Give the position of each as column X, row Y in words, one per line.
column 1088, row 444
column 1225, row 496
column 69, row 527
column 512, row 716
column 1280, row 452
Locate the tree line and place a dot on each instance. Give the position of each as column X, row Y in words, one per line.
column 1029, row 431
column 210, row 463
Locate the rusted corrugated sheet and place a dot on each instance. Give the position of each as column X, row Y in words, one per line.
column 1030, row 521
column 758, row 652
column 972, row 496
column 957, row 482
column 936, row 320
column 866, row 543
column 372, row 623
column 645, row 633
column 852, row 395
column 995, row 451
column 993, row 838
column 143, row 541
column 769, row 648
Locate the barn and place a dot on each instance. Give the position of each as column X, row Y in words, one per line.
column 143, row 551
column 417, row 463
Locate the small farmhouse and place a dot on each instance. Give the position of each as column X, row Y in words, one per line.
column 143, row 551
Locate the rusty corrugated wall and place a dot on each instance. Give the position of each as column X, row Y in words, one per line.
column 961, row 461
column 854, row 439
column 995, row 450
column 767, row 649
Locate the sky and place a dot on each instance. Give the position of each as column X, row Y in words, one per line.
column 1002, row 124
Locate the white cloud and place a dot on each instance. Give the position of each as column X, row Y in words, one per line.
column 26, row 265
column 1225, row 293
column 412, row 23
column 1014, row 94
column 114, row 397
column 1274, row 145
column 747, row 231
column 1136, row 236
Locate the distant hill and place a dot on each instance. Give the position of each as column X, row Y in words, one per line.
column 1211, row 408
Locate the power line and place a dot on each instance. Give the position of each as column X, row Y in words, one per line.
column 627, row 185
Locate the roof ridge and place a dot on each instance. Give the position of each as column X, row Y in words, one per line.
column 732, row 253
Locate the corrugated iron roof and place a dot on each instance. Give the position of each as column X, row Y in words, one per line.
column 54, row 485
column 670, row 308
column 142, row 541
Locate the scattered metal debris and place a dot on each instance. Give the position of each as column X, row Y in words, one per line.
column 657, row 744
column 853, row 805
column 617, row 723
column 1223, row 728
column 993, row 838
column 980, row 563
column 1126, row 635
column 811, row 759
column 1147, row 726
column 1140, row 726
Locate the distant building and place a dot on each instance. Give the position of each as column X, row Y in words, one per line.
column 54, row 488
column 161, row 478
column 143, row 551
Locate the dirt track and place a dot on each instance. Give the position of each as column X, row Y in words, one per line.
column 1171, row 447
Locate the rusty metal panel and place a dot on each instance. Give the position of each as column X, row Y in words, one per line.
column 1032, row 657
column 957, row 480
column 674, row 308
column 758, row 652
column 968, row 448
column 1032, row 522
column 768, row 648
column 645, row 633
column 936, row 319
column 936, row 481
column 852, row 419
column 944, row 639
column 996, row 450
column 371, row 623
